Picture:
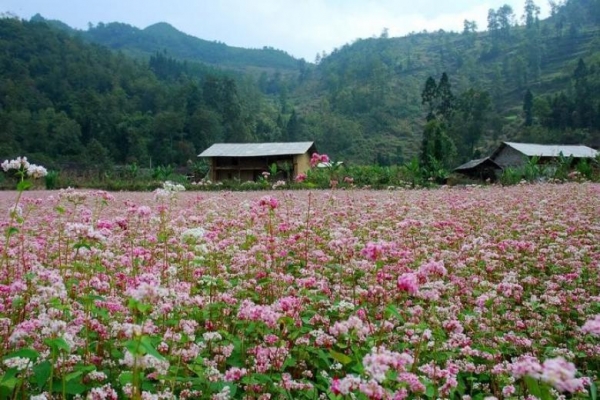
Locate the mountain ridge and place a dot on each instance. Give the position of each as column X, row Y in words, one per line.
column 161, row 36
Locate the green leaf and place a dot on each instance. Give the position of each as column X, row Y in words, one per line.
column 17, row 302
column 148, row 386
column 80, row 371
column 197, row 369
column 289, row 362
column 9, row 380
column 533, row 386
column 429, row 390
column 593, row 389
column 58, row 344
column 323, row 356
column 5, row 393
column 134, row 347
column 150, row 349
column 143, row 308
column 340, row 357
column 75, row 387
column 41, row 372
column 391, row 309
column 125, row 378
column 12, row 231
column 24, row 185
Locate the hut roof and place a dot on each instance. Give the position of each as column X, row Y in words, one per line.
column 475, row 163
column 256, row 149
column 549, row 150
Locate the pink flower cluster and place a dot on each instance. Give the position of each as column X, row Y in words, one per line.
column 301, row 177
column 269, row 202
column 592, row 326
column 317, row 158
column 252, row 312
column 557, row 372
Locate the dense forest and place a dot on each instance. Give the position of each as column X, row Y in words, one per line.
column 115, row 94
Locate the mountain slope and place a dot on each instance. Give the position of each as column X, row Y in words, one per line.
column 376, row 84
column 162, row 36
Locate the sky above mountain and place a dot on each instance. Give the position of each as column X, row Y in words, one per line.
column 302, row 28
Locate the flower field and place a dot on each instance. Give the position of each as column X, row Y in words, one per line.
column 465, row 293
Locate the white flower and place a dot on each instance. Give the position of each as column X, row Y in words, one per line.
column 36, row 171
column 173, row 187
column 211, row 336
column 18, row 163
column 192, row 234
column 168, row 190
column 21, row 164
column 19, row 363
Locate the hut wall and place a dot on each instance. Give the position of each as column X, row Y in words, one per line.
column 509, row 157
column 301, row 164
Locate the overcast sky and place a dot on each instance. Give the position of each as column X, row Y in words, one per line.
column 302, row 28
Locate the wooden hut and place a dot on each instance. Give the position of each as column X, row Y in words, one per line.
column 248, row 161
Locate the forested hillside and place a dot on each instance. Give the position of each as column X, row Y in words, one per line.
column 63, row 100
column 380, row 100
column 536, row 81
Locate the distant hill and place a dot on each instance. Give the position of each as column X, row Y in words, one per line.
column 164, row 37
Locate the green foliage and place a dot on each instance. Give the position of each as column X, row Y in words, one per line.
column 51, row 180
column 437, row 151
column 562, row 169
column 511, row 176
column 585, row 169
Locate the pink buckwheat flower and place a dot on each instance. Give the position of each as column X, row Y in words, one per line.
column 300, row 178
column 105, row 392
column 317, row 158
column 268, row 202
column 560, row 373
column 235, row 374
column 525, row 365
column 346, row 385
column 408, row 282
column 592, row 326
column 372, row 251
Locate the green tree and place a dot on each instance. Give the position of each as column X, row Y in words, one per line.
column 437, row 149
column 531, row 15
column 506, row 16
column 428, row 96
column 528, row 108
column 294, row 128
column 445, row 98
column 470, row 121
column 493, row 24
column 469, row 27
